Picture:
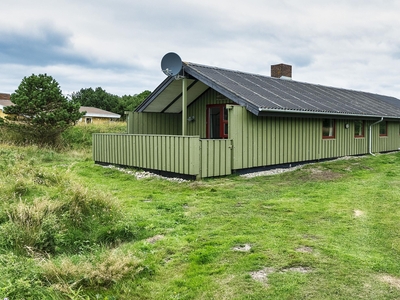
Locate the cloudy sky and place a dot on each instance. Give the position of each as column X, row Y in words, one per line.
column 118, row 44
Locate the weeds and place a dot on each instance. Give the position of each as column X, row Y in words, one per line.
column 91, row 272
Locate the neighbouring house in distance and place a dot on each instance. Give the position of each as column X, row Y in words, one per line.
column 96, row 116
column 208, row 121
column 4, row 101
column 93, row 115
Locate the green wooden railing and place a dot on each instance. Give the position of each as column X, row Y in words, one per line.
column 186, row 155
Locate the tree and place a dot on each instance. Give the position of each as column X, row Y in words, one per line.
column 131, row 102
column 40, row 112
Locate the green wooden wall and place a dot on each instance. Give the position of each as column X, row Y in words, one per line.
column 263, row 141
column 198, row 110
column 154, row 123
column 215, row 157
column 162, row 123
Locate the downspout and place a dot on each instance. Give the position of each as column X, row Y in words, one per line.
column 370, row 135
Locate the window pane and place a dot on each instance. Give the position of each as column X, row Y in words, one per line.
column 328, row 128
column 383, row 128
column 214, row 119
column 359, row 128
column 225, row 114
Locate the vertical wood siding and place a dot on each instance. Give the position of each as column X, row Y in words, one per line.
column 263, row 141
column 198, row 110
column 215, row 157
column 154, row 123
column 177, row 154
column 171, row 124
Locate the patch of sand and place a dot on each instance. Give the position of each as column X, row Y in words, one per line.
column 262, row 275
column 358, row 213
column 393, row 281
column 305, row 249
column 154, row 239
column 242, row 248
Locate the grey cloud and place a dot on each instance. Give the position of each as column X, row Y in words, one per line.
column 48, row 47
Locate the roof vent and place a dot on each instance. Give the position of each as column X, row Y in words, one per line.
column 281, row 71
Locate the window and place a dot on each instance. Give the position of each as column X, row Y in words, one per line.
column 358, row 128
column 328, row 129
column 217, row 121
column 383, row 130
column 88, row 120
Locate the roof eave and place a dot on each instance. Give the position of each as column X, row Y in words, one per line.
column 319, row 114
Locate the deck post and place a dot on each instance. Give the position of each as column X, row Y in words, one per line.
column 184, row 106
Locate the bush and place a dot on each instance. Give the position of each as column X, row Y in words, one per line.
column 21, row 278
column 71, row 219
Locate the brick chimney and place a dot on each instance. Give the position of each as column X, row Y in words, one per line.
column 281, row 70
column 4, row 96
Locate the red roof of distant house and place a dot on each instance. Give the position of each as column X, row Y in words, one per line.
column 4, row 96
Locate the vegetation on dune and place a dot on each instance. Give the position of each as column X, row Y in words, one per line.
column 70, row 229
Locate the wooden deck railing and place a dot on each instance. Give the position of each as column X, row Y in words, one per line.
column 186, row 155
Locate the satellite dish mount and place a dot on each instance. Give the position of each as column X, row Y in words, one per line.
column 171, row 65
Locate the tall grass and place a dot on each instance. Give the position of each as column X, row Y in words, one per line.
column 72, row 230
column 75, row 137
column 46, row 213
column 80, row 136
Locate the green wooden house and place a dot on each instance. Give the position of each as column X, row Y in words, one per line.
column 209, row 121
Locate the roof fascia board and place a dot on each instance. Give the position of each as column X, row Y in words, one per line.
column 235, row 98
column 308, row 114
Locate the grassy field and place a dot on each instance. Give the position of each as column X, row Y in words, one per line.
column 70, row 229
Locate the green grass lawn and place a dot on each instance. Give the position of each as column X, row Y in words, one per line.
column 326, row 231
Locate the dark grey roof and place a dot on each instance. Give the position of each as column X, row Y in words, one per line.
column 263, row 95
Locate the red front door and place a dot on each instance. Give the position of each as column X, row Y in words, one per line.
column 217, row 121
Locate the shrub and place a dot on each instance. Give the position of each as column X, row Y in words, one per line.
column 77, row 221
column 20, row 278
column 91, row 272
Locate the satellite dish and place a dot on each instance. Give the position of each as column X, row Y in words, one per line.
column 171, row 64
